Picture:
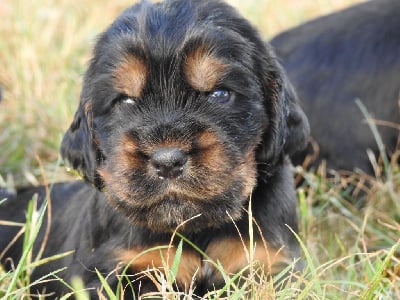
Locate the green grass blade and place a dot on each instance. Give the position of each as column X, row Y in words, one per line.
column 311, row 267
column 377, row 136
column 79, row 288
column 28, row 243
column 370, row 292
column 177, row 259
column 106, row 286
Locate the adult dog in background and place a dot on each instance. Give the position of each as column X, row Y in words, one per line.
column 335, row 59
column 185, row 114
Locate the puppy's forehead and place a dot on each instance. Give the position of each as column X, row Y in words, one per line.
column 151, row 45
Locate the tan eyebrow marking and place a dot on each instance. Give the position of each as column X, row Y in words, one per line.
column 203, row 70
column 130, row 76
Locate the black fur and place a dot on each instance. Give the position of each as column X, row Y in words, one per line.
column 335, row 59
column 130, row 207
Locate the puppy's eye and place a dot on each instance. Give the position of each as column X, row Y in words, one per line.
column 124, row 99
column 128, row 100
column 220, row 96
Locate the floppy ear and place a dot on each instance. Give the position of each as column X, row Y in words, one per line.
column 288, row 129
column 79, row 145
column 298, row 128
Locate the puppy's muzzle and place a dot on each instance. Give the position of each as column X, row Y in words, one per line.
column 168, row 162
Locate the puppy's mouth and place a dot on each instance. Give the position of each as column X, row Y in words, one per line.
column 172, row 184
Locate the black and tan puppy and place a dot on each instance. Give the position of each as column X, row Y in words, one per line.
column 335, row 59
column 185, row 114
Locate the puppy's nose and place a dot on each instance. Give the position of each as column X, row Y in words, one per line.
column 169, row 162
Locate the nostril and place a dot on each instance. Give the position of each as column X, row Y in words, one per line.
column 169, row 162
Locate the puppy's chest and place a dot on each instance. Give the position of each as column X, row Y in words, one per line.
column 222, row 256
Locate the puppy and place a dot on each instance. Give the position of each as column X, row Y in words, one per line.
column 336, row 59
column 184, row 116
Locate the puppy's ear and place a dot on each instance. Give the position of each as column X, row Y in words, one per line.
column 288, row 129
column 79, row 145
column 298, row 128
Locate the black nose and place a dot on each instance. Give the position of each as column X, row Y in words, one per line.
column 169, row 162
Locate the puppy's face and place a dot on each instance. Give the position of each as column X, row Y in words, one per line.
column 180, row 130
column 172, row 113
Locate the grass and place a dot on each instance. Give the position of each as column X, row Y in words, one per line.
column 350, row 252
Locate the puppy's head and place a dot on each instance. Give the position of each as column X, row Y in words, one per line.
column 181, row 102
